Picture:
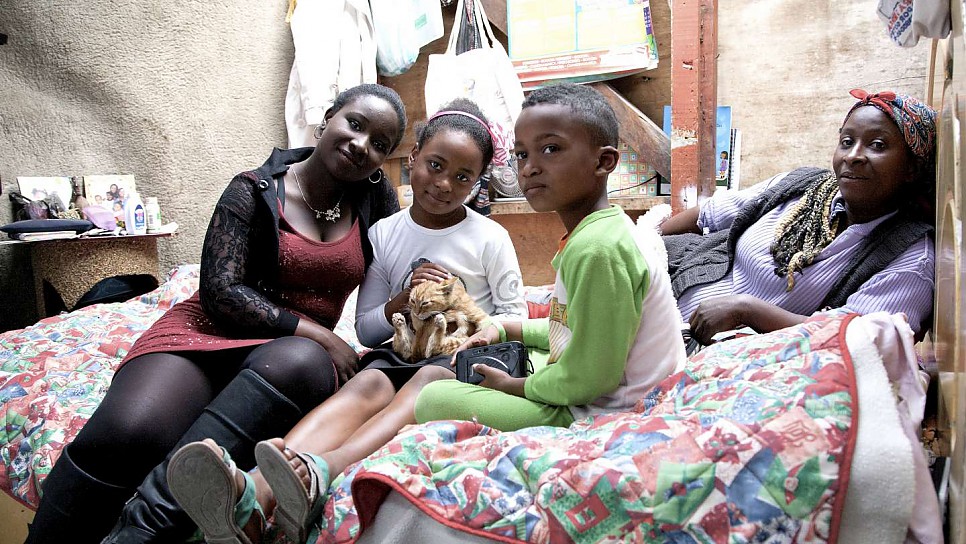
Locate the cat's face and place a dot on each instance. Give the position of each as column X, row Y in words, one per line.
column 432, row 297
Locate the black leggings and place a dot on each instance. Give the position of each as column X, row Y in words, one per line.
column 154, row 398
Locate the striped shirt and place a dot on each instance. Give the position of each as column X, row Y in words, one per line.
column 905, row 286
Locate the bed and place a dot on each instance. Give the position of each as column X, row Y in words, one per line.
column 791, row 435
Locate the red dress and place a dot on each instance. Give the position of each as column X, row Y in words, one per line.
column 315, row 279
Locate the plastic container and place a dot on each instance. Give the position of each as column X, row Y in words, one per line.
column 135, row 221
column 153, row 211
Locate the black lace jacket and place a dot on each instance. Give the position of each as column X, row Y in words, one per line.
column 239, row 259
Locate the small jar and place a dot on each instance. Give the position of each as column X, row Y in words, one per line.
column 153, row 212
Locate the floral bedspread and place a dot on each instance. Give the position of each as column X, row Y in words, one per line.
column 752, row 442
column 53, row 374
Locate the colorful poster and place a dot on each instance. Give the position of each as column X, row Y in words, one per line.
column 579, row 40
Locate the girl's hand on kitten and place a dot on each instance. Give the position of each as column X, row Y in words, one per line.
column 488, row 335
column 429, row 272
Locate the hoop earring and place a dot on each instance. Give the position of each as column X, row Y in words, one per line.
column 318, row 130
column 376, row 176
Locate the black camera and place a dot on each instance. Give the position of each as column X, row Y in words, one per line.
column 510, row 357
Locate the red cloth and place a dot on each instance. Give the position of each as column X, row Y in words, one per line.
column 315, row 279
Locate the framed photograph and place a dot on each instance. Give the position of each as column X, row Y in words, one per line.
column 41, row 187
column 109, row 191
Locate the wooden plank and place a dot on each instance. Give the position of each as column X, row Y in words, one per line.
column 639, row 132
column 628, row 203
column 650, row 91
column 693, row 101
column 708, row 98
column 496, row 13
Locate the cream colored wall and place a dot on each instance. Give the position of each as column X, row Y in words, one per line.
column 786, row 67
column 180, row 94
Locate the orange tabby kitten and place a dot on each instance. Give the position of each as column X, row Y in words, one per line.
column 433, row 307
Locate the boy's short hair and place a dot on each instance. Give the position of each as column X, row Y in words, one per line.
column 588, row 106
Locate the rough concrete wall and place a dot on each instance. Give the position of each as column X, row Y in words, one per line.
column 180, row 94
column 786, row 67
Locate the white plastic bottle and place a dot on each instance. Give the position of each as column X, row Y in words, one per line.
column 153, row 211
column 134, row 216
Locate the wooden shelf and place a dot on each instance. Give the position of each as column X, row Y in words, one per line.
column 628, row 203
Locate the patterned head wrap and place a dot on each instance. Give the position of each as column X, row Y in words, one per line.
column 915, row 120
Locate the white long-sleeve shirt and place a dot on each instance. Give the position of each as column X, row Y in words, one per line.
column 477, row 249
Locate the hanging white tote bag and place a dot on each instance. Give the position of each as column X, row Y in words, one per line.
column 402, row 27
column 484, row 75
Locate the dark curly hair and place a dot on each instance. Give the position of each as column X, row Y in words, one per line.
column 467, row 125
column 588, row 106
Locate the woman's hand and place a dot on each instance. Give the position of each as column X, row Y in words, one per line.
column 494, row 378
column 725, row 313
column 428, row 272
column 715, row 315
column 344, row 357
column 485, row 336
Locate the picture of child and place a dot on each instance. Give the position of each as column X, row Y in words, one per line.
column 723, row 167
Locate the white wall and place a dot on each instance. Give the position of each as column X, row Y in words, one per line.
column 786, row 68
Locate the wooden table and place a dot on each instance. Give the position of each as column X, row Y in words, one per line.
column 72, row 266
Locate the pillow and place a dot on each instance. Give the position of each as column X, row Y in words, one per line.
column 101, row 217
column 47, row 225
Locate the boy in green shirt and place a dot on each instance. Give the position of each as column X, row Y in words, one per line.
column 613, row 330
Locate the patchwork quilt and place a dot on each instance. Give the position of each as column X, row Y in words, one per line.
column 752, row 442
column 54, row 373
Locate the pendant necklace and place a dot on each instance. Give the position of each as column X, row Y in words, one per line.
column 331, row 214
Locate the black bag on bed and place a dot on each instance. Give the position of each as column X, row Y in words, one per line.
column 117, row 289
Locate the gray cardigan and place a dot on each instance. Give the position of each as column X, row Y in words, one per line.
column 695, row 259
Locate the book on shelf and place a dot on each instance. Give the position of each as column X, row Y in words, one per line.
column 41, row 236
column 579, row 41
column 734, row 170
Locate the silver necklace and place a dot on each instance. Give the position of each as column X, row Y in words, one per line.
column 331, row 214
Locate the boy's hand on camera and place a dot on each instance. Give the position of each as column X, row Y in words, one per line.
column 486, row 336
column 428, row 272
column 494, row 378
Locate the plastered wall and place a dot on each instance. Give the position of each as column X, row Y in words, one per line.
column 786, row 67
column 185, row 94
column 180, row 94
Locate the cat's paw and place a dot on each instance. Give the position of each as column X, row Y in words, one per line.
column 398, row 320
column 439, row 321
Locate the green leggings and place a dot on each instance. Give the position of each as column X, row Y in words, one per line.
column 451, row 399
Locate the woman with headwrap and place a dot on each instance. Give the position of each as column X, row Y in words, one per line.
column 858, row 237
